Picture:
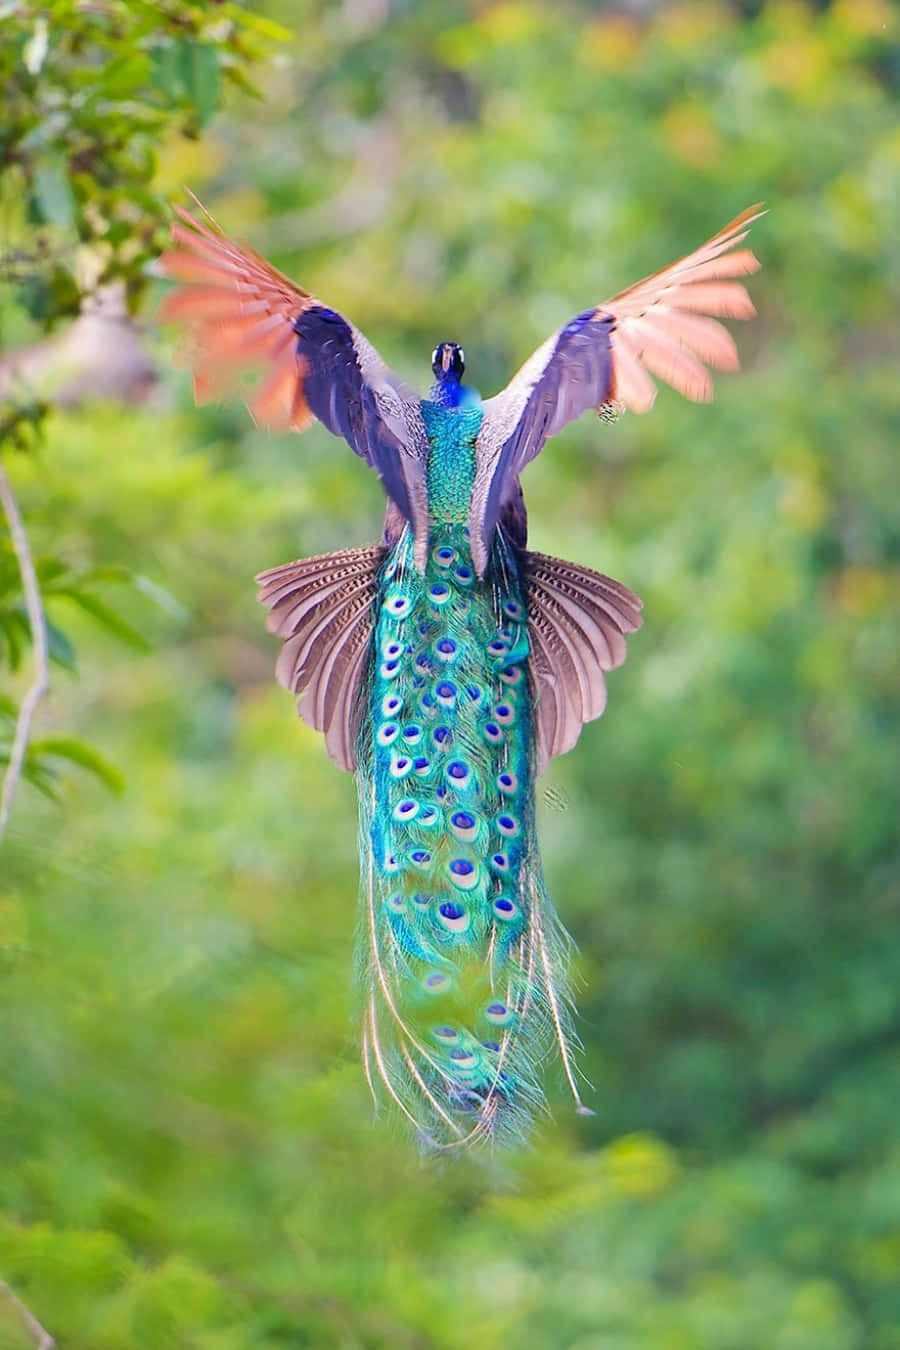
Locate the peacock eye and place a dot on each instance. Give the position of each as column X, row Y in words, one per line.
column 434, row 356
column 462, row 355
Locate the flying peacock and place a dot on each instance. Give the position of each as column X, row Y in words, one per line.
column 448, row 664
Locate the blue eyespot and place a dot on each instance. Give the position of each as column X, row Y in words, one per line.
column 406, row 809
column 459, row 773
column 507, row 782
column 463, row 873
column 446, row 649
column 508, row 825
column 453, row 917
column 439, row 594
column 445, row 693
column 444, row 556
column 397, row 604
column 493, row 733
column 499, row 1014
column 387, row 733
column 464, row 826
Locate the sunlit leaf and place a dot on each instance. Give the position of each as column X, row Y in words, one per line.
column 76, row 751
column 107, row 617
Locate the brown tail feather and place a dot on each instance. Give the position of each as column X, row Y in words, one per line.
column 322, row 608
column 577, row 621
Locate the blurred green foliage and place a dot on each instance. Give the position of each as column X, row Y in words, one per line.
column 189, row 1155
column 89, row 91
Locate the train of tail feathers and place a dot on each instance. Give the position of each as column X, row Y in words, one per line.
column 448, row 664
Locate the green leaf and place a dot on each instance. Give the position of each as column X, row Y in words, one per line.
column 198, row 69
column 14, row 631
column 166, row 75
column 50, row 569
column 258, row 23
column 39, row 776
column 59, row 648
column 75, row 751
column 111, row 621
column 235, row 75
column 53, row 196
column 188, row 71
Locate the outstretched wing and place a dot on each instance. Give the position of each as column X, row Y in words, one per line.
column 662, row 326
column 242, row 314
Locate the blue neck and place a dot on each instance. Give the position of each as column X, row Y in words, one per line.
column 447, row 392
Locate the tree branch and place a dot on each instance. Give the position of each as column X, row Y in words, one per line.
column 41, row 682
column 42, row 1338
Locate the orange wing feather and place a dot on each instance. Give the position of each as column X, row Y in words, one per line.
column 664, row 324
column 240, row 315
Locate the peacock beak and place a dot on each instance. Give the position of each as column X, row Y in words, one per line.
column 446, row 358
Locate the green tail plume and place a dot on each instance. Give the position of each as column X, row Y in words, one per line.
column 466, row 964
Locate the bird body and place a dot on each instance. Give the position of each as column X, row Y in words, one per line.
column 448, row 664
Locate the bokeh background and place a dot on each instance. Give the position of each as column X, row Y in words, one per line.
column 188, row 1154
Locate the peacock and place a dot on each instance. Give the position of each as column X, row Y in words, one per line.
column 447, row 664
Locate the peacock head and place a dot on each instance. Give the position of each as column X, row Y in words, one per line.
column 448, row 361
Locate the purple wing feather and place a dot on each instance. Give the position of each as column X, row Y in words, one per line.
column 242, row 314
